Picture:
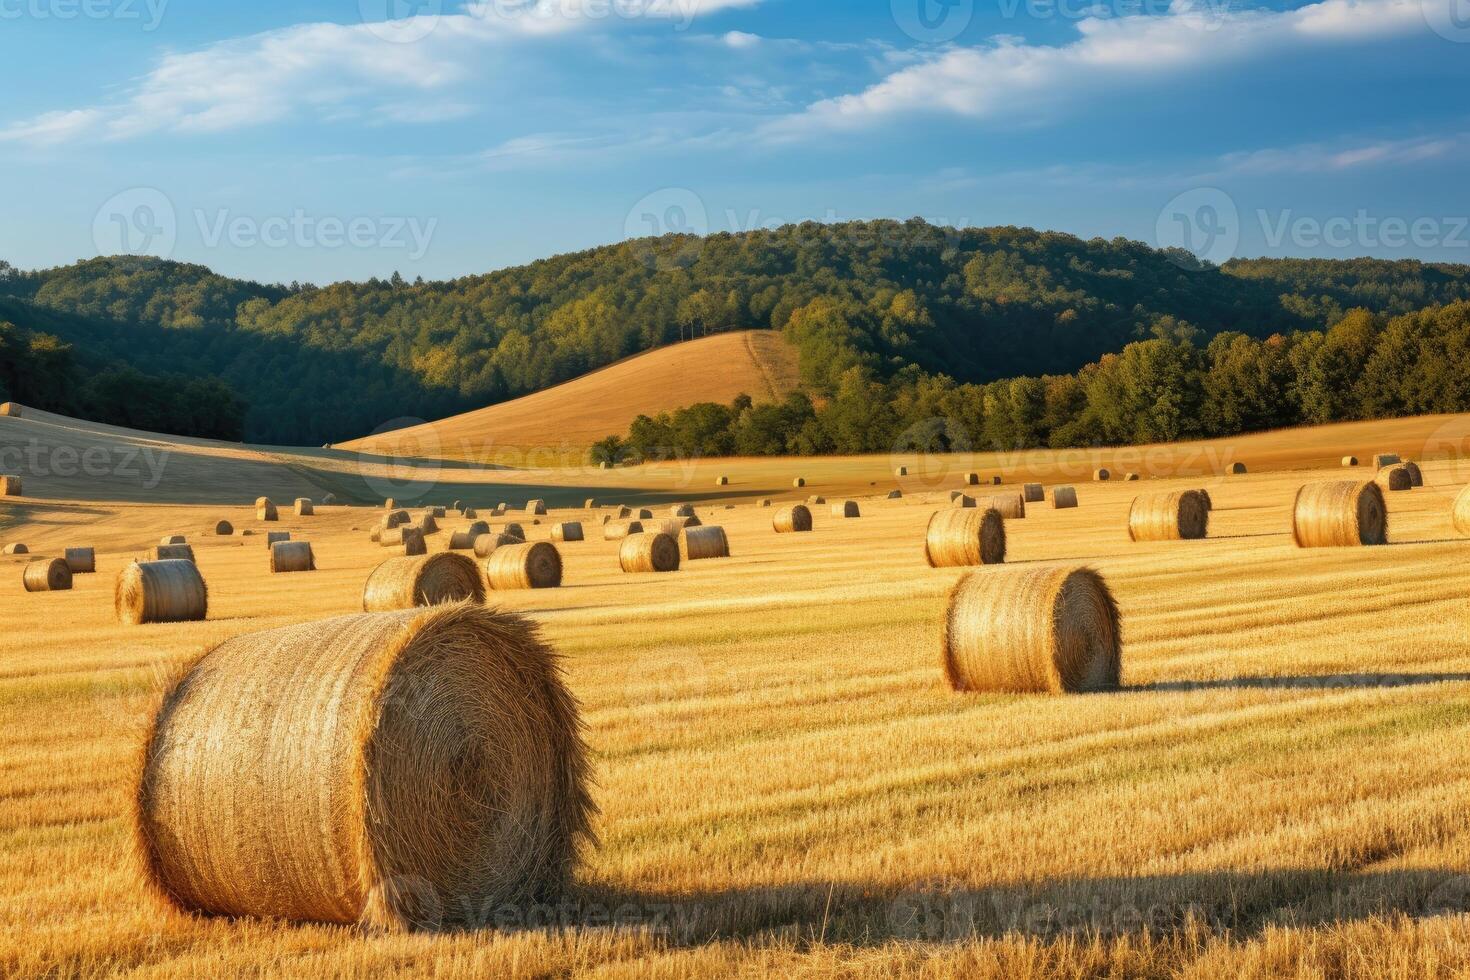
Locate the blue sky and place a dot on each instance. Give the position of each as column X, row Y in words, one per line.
column 318, row 141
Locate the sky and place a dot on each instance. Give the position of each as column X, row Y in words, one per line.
column 317, row 141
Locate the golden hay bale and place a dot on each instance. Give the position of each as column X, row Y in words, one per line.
column 535, row 507
column 265, row 510
column 681, row 510
column 624, row 513
column 273, row 537
column 17, row 549
column 673, row 528
column 1350, row 461
column 693, row 519
column 455, row 505
column 1416, row 475
column 171, row 552
column 961, row 501
column 965, row 537
column 1012, row 506
column 1461, row 511
column 515, row 529
column 396, row 518
column 414, row 543
column 568, row 531
column 47, row 575
column 487, row 544
column 329, row 500
column 173, row 539
column 499, row 509
column 394, row 537
column 245, row 532
column 1380, row 460
column 422, row 580
column 81, row 561
column 723, row 481
column 304, row 508
column 617, row 530
column 589, row 503
column 701, row 543
column 1102, row 474
column 972, row 479
column 995, row 481
column 792, row 519
column 1033, row 493
column 390, row 504
column 10, row 410
column 846, row 509
column 1036, row 629
column 895, row 495
column 644, row 514
column 901, row 471
column 649, row 552
column 224, row 528
column 1063, row 498
column 763, row 502
column 524, row 566
column 164, row 591
column 1131, row 478
column 816, row 499
column 438, row 513
column 799, row 482
column 1206, row 499
column 1394, row 478
column 292, row 556
column 469, row 513
column 1339, row 514
column 1178, row 516
column 11, row 486
column 464, row 540
column 1236, row 469
column 399, row 771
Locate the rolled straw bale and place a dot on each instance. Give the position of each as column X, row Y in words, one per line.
column 10, row 410
column 1339, row 514
column 961, row 501
column 955, row 495
column 81, row 561
column 799, row 482
column 274, row 537
column 165, row 591
column 681, row 510
column 17, row 549
column 390, row 504
column 701, row 543
column 589, row 503
column 1416, row 475
column 265, row 510
column 644, row 514
column 173, row 539
column 499, row 510
column 304, row 508
column 649, row 552
column 568, row 531
column 723, row 481
column 245, row 532
column 396, row 518
column 414, row 543
column 1034, row 493
column 763, row 502
column 11, row 486
column 957, row 538
column 618, row 530
column 292, row 556
column 1063, row 498
column 224, row 528
column 669, row 526
column 1380, row 460
column 816, row 499
column 406, row 770
column 47, row 575
column 1350, row 461
column 456, row 506
column 1178, row 516
column 972, row 479
column 535, row 507
column 895, row 495
column 515, row 529
column 464, row 540
column 1012, row 506
column 624, row 513
column 486, row 544
column 422, row 580
column 1206, row 499
column 846, row 509
column 691, row 521
column 996, row 481
column 469, row 513
column 1131, row 478
column 1035, row 629
column 438, row 513
column 376, row 534
column 428, row 524
column 1236, row 469
column 524, row 566
column 901, row 471
column 171, row 552
column 329, row 499
column 1102, row 474
column 792, row 519
column 1394, row 478
column 392, row 537
column 1461, row 512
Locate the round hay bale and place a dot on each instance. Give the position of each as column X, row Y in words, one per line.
column 414, row 543
column 224, row 528
column 514, row 529
column 1033, row 493
column 568, row 531
column 393, row 537
column 455, row 506
column 1461, row 512
column 47, row 575
column 624, row 513
column 1063, row 498
column 895, row 495
column 846, row 509
column 794, row 519
column 1048, row 629
column 1102, row 474
column 329, row 500
column 1178, row 516
column 1380, row 460
column 1236, row 469
column 589, row 503
column 1416, row 475
column 165, row 591
column 1131, row 478
column 11, row 486
column 972, row 479
column 171, row 552
column 763, row 502
column 265, row 510
column 469, row 513
column 1339, row 514
column 535, row 508
column 390, row 504
column 272, row 538
column 1012, row 506
column 1206, row 499
column 292, row 556
column 437, row 513
column 10, row 410
column 681, row 510
column 304, row 507
column 1394, row 478
column 723, row 481
column 673, row 528
column 617, row 530
column 428, row 524
column 81, row 561
column 17, row 549
column 816, row 500
column 644, row 514
column 245, row 532
column 901, row 471
column 464, row 540
column 524, row 566
column 399, row 771
column 1350, row 461
column 487, row 544
column 702, row 543
column 799, row 482
column 956, row 538
column 396, row 518
column 649, row 552
column 961, row 501
column 693, row 519
column 422, row 580
column 173, row 539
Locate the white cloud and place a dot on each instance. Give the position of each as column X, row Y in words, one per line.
column 1322, row 158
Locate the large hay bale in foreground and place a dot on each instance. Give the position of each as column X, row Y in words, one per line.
column 1380, row 460
column 1036, row 629
column 487, row 544
column 1178, row 516
column 81, row 561
column 524, row 566
column 406, row 770
column 703, row 543
column 1033, row 493
column 224, row 529
column 1394, row 478
column 11, row 486
column 1416, row 475
column 422, row 580
column 47, row 575
column 618, row 530
column 568, row 531
column 956, row 538
column 304, row 508
column 1063, row 498
column 171, row 552
column 292, row 556
column 1460, row 512
column 1339, row 514
column 166, row 591
column 846, row 509
column 790, row 520
column 265, row 510
column 649, row 552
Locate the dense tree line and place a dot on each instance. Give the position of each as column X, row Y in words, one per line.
column 1169, row 387
column 893, row 298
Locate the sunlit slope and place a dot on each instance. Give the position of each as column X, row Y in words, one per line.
column 572, row 416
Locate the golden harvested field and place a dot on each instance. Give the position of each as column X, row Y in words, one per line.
column 786, row 785
column 561, row 422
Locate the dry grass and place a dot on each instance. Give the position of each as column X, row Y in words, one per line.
column 789, row 788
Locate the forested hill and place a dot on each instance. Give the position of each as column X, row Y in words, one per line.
column 322, row 364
